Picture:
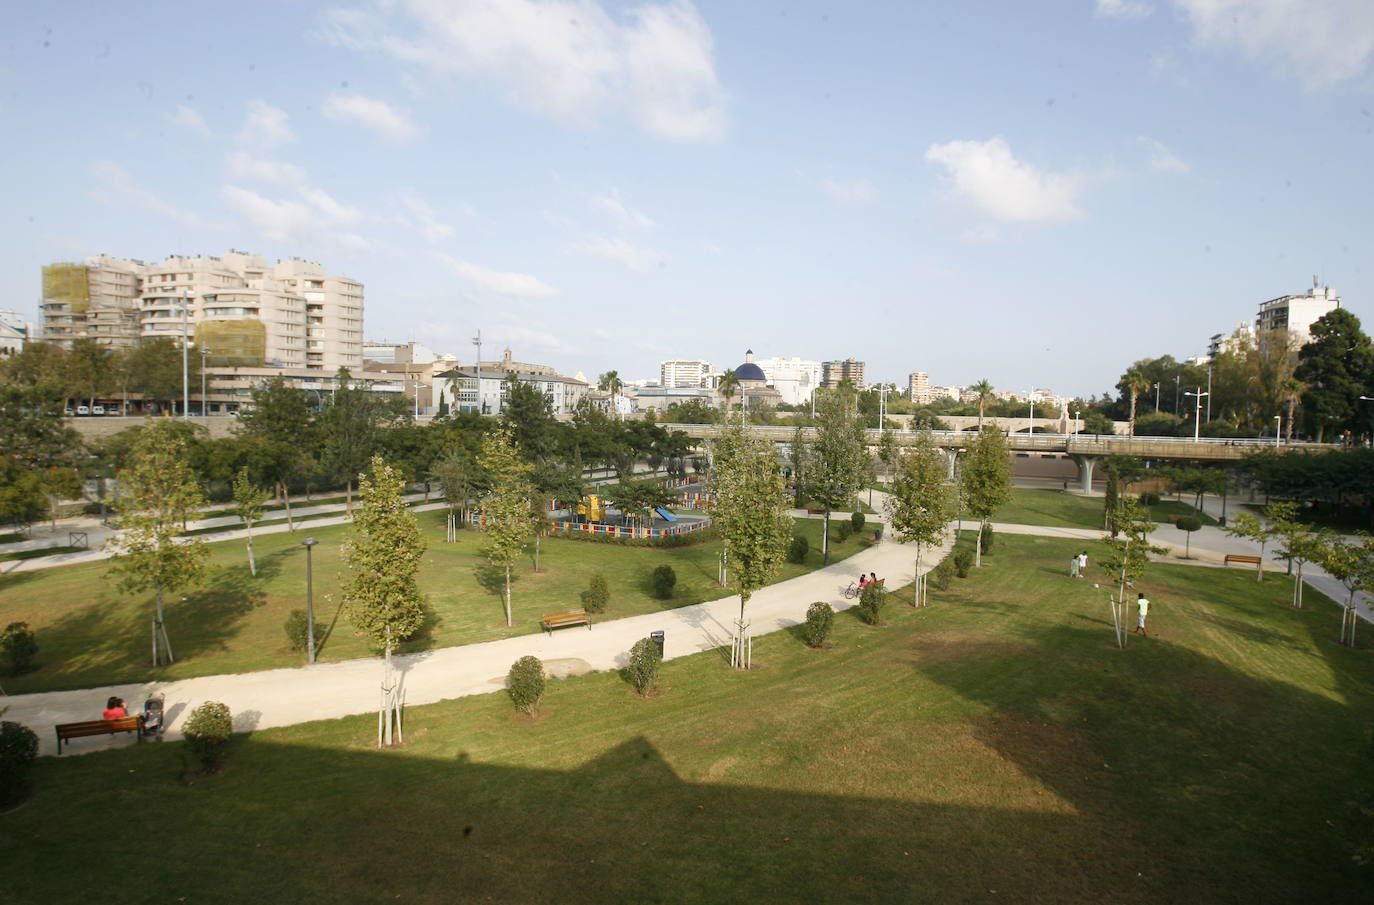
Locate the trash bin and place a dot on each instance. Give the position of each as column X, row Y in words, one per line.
column 1221, row 522
column 657, row 638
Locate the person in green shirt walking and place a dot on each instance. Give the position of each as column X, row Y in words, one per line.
column 1144, row 606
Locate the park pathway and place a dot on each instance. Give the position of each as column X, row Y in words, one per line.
column 284, row 697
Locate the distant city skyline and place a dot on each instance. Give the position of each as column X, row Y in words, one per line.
column 1035, row 196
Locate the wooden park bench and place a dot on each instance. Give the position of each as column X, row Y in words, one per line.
column 879, row 583
column 815, row 512
column 562, row 620
column 1236, row 557
column 68, row 731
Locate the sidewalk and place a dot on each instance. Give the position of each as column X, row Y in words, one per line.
column 284, row 697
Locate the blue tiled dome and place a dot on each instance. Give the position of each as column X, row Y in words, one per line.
column 749, row 370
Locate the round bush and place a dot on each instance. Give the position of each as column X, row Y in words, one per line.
column 963, row 561
column 940, row 576
column 871, row 605
column 18, row 647
column 207, row 729
column 856, row 521
column 1149, row 499
column 297, row 629
column 820, row 618
column 525, row 682
column 642, row 670
column 663, row 580
column 985, row 539
column 597, row 595
column 798, row 551
column 841, row 531
column 1188, row 523
column 18, row 751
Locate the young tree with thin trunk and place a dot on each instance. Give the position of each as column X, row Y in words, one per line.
column 1351, row 562
column 1248, row 526
column 921, row 503
column 157, row 495
column 751, row 513
column 1301, row 544
column 382, row 555
column 454, row 475
column 986, row 479
column 506, row 504
column 838, row 461
column 248, row 499
column 1128, row 556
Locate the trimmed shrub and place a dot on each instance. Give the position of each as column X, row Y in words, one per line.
column 297, row 629
column 1149, row 499
column 963, row 561
column 207, row 729
column 525, row 682
column 841, row 531
column 597, row 595
column 18, row 751
column 18, row 647
column 985, row 539
column 642, row 670
column 856, row 520
column 941, row 575
column 820, row 618
column 799, row 549
column 663, row 580
column 871, row 605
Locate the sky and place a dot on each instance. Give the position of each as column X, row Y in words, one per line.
column 1033, row 193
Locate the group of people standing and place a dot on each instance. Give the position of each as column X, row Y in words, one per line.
column 1078, row 568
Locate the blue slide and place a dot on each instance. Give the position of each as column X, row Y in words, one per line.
column 667, row 516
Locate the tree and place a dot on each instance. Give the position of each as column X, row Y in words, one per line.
column 1301, row 544
column 610, row 382
column 1128, row 556
column 350, row 425
column 838, row 460
column 280, row 428
column 1337, row 367
column 506, row 504
column 921, row 502
column 986, row 478
column 158, row 494
column 1188, row 524
column 382, row 556
column 1351, row 562
column 454, row 475
column 984, row 390
column 1247, row 526
column 155, row 369
column 728, row 386
column 529, row 415
column 88, row 369
column 248, row 499
column 1135, row 384
column 751, row 513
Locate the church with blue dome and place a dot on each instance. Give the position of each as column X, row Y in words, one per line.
column 754, row 390
column 750, row 374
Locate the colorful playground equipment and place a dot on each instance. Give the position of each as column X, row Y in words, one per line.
column 591, row 508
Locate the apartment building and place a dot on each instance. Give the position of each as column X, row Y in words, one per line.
column 918, row 387
column 1297, row 313
column 483, row 389
column 833, row 372
column 684, row 372
column 795, row 379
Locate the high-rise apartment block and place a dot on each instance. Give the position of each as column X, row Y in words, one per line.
column 795, row 379
column 683, row 372
column 244, row 312
column 1296, row 313
column 918, row 387
column 832, row 372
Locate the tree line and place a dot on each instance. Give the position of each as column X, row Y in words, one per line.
column 89, row 371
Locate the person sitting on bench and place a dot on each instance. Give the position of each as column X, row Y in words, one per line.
column 863, row 581
column 114, row 709
column 872, row 577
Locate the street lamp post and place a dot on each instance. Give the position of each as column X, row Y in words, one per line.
column 1077, row 426
column 1209, row 392
column 204, row 355
column 1030, row 397
column 1176, row 389
column 309, row 543
column 1278, row 429
column 185, row 348
column 477, row 341
column 1197, row 417
column 1156, row 397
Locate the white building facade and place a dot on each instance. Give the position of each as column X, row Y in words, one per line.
column 1296, row 313
column 795, row 379
column 684, row 372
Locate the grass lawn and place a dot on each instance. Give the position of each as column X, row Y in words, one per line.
column 35, row 554
column 89, row 634
column 1060, row 509
column 992, row 747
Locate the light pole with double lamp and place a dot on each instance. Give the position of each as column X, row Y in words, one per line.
column 1197, row 418
column 309, row 544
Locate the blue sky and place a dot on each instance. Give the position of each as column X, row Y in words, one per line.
column 1035, row 193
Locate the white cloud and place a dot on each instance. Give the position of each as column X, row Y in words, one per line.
column 115, row 185
column 423, row 219
column 392, row 125
column 265, row 127
column 854, row 191
column 567, row 59
column 1163, row 160
column 189, row 118
column 621, row 251
column 519, row 285
column 1007, row 189
column 1321, row 42
column 242, row 165
column 627, row 216
column 325, row 204
column 284, row 221
column 1123, row 9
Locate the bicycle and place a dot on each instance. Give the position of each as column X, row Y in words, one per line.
column 852, row 591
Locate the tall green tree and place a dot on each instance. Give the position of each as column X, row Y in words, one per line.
column 506, row 504
column 89, row 369
column 349, row 428
column 984, row 390
column 282, row 431
column 839, row 458
column 382, row 557
column 1337, row 367
column 922, row 502
column 248, row 499
column 155, row 368
column 985, row 479
column 728, row 387
column 158, row 494
column 529, row 415
column 751, row 514
column 1135, row 383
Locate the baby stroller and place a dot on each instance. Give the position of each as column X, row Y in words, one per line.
column 152, row 717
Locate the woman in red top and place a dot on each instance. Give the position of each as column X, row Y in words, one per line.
column 114, row 709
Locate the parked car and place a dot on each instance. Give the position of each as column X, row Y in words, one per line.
column 69, row 411
column 83, row 409
column 97, row 410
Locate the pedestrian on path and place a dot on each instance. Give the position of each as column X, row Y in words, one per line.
column 1144, row 605
column 1073, row 567
column 1083, row 564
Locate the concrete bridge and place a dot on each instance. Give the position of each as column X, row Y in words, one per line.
column 1060, row 425
column 1084, row 449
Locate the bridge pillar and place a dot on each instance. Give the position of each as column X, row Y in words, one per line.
column 1085, row 471
column 952, row 455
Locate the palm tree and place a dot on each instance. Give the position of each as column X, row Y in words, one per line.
column 1134, row 383
column 984, row 391
column 610, row 382
column 1292, row 390
column 729, row 385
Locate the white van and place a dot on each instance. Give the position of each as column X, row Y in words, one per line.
column 97, row 410
column 83, row 410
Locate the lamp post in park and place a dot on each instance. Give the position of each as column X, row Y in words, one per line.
column 1197, row 418
column 1278, row 429
column 309, row 543
column 1156, row 397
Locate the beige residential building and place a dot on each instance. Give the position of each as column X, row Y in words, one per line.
column 98, row 298
column 918, row 387
column 833, row 372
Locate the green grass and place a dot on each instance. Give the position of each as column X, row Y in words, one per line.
column 1059, row 509
column 993, row 747
column 89, row 634
column 12, row 538
column 35, row 554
